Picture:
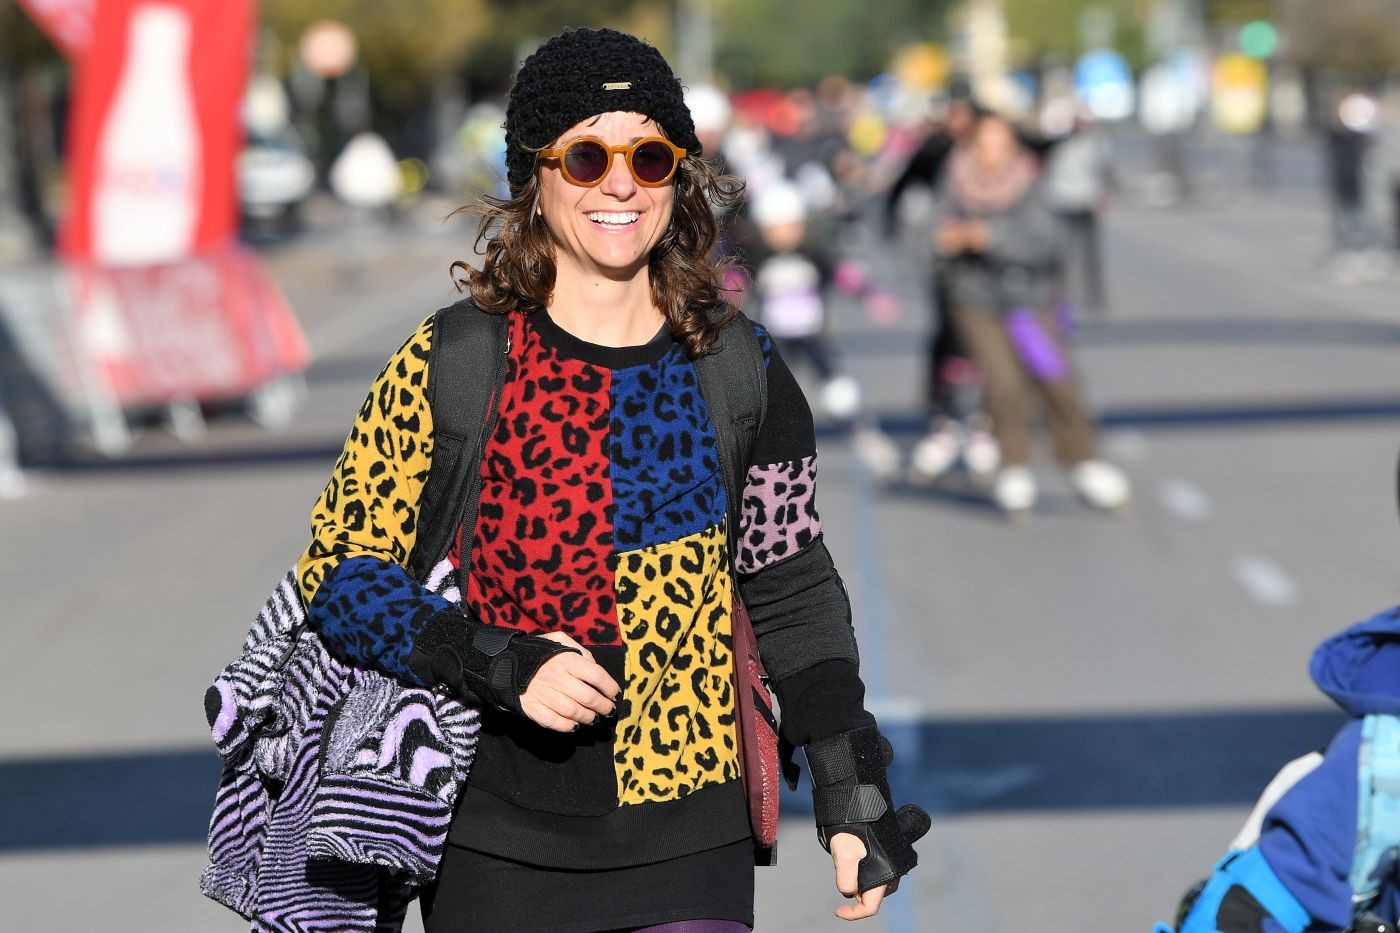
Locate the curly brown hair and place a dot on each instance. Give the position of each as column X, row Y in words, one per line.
column 517, row 271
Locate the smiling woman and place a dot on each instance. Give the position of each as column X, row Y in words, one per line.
column 562, row 98
column 647, row 470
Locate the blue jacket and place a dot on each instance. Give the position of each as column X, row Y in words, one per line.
column 1309, row 836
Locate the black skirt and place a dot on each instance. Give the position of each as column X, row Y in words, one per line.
column 479, row 893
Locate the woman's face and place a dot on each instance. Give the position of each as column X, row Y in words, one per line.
column 610, row 228
column 994, row 144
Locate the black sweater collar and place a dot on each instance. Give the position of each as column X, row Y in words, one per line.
column 571, row 347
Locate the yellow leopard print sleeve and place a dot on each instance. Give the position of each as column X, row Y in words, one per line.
column 370, row 506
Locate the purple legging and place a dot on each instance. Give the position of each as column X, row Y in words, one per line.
column 696, row 926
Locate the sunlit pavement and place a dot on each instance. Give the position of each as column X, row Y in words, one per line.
column 1087, row 703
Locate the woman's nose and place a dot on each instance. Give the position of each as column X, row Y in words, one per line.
column 619, row 181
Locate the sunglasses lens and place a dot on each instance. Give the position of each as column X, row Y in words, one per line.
column 586, row 161
column 653, row 162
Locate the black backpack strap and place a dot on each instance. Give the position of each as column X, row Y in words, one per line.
column 466, row 370
column 734, row 382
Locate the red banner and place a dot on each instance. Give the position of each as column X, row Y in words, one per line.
column 166, row 305
column 211, row 328
column 154, row 133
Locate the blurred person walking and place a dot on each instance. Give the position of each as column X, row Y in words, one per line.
column 952, row 383
column 604, row 573
column 1348, row 138
column 998, row 239
column 1079, row 184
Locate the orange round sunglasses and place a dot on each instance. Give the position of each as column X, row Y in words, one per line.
column 585, row 161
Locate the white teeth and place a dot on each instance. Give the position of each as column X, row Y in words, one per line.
column 614, row 219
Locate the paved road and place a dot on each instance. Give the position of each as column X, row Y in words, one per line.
column 1088, row 704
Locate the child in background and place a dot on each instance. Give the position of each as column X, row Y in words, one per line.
column 792, row 272
column 1320, row 851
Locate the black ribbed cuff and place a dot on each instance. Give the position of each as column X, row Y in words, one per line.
column 820, row 701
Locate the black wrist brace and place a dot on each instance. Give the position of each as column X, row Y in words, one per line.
column 478, row 662
column 851, row 794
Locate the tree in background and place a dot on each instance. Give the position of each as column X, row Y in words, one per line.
column 519, row 27
column 408, row 45
column 1061, row 30
column 786, row 44
column 32, row 74
column 422, row 59
column 404, row 46
column 1357, row 37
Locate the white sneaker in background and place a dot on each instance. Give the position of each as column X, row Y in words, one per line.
column 981, row 453
column 1014, row 490
column 934, row 454
column 1100, row 484
column 874, row 448
column 841, row 397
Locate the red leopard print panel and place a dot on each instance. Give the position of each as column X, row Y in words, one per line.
column 543, row 558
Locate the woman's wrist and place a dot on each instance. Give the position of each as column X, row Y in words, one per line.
column 820, row 701
column 487, row 663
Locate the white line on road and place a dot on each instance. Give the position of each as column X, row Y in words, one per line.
column 1185, row 499
column 1264, row 581
column 1127, row 445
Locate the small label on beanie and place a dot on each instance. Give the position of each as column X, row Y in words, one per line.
column 618, row 86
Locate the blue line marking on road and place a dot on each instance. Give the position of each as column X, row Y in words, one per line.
column 897, row 911
column 1028, row 764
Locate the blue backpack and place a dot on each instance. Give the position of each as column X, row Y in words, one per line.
column 1243, row 890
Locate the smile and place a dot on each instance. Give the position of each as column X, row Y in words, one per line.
column 613, row 218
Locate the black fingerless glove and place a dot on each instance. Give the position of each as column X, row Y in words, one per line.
column 478, row 662
column 851, row 794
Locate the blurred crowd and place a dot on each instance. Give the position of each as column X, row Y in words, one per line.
column 998, row 216
column 999, row 209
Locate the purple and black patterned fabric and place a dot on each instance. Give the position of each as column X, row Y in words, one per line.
column 338, row 783
column 779, row 513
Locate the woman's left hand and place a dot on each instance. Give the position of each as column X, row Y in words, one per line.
column 846, row 853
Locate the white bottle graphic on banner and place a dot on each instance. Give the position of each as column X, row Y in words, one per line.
column 147, row 181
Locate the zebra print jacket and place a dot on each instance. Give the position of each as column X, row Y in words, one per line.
column 338, row 783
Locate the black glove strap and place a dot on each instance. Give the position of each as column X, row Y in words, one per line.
column 851, row 794
column 487, row 663
column 844, row 804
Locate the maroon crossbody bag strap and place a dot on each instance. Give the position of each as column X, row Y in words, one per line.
column 734, row 382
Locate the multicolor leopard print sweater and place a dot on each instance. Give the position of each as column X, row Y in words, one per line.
column 602, row 515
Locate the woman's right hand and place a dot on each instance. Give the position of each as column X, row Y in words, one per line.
column 569, row 690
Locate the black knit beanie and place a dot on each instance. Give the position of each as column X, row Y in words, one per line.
column 581, row 73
